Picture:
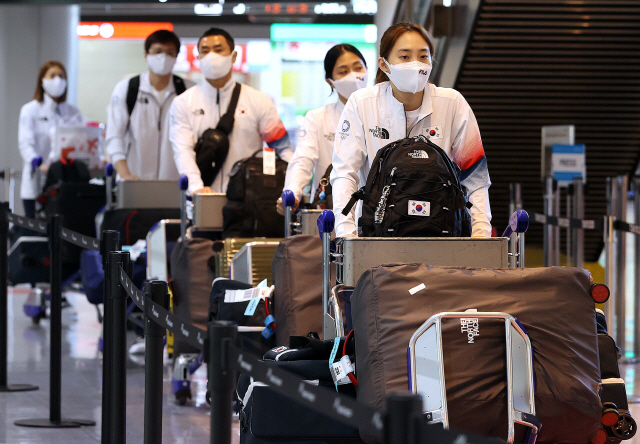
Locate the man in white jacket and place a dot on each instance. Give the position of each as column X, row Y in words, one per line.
column 200, row 108
column 137, row 138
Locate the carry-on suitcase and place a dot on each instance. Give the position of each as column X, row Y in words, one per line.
column 554, row 305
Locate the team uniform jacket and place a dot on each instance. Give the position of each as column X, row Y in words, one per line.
column 37, row 120
column 200, row 108
column 372, row 118
column 142, row 139
column 314, row 148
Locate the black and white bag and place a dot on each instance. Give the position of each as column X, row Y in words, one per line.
column 412, row 190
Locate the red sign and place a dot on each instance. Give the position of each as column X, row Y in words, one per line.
column 120, row 30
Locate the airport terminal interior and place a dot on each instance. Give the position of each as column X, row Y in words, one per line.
column 320, row 222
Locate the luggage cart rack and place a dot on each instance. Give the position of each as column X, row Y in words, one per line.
column 427, row 373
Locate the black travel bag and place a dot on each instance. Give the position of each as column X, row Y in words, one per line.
column 291, row 422
column 250, row 210
column 253, row 342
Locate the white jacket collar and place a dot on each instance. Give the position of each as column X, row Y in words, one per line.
column 426, row 108
column 207, row 88
column 146, row 86
column 48, row 101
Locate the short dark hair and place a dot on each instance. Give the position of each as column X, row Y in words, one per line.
column 334, row 54
column 218, row 31
column 162, row 36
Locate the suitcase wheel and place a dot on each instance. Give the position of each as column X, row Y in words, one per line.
column 600, row 438
column 625, row 428
column 610, row 415
column 600, row 293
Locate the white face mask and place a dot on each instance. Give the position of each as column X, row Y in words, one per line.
column 54, row 87
column 161, row 63
column 215, row 66
column 409, row 77
column 350, row 83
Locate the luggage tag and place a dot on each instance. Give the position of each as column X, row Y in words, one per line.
column 258, row 294
column 332, row 356
column 340, row 371
column 268, row 161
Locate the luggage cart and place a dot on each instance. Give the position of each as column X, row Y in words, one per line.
column 355, row 255
column 305, row 219
column 427, row 373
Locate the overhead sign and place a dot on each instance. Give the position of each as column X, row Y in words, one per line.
column 119, row 30
column 554, row 134
column 568, row 162
column 300, row 32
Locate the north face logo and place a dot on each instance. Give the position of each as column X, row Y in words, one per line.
column 418, row 154
column 380, row 133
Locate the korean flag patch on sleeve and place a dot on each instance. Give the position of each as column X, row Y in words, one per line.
column 419, row 208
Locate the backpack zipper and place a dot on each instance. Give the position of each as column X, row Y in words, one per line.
column 380, row 210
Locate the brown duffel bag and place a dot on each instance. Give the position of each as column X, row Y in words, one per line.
column 553, row 304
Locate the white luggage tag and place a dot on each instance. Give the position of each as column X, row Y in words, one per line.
column 268, row 161
column 340, row 371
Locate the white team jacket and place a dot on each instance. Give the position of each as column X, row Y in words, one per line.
column 314, row 148
column 372, row 118
column 142, row 139
column 200, row 108
column 37, row 119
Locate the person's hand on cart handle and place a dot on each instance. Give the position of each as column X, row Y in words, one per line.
column 280, row 206
column 203, row 190
column 123, row 170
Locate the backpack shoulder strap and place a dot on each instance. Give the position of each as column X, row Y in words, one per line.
column 132, row 93
column 178, row 84
column 226, row 122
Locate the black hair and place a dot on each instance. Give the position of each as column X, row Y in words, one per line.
column 334, row 54
column 162, row 36
column 218, row 31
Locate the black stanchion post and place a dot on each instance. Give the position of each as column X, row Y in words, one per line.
column 4, row 230
column 110, row 242
column 221, row 379
column 402, row 422
column 55, row 366
column 153, row 371
column 118, row 337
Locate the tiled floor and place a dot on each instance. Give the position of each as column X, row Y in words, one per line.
column 28, row 356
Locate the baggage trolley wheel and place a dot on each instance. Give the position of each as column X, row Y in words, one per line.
column 600, row 438
column 600, row 293
column 610, row 414
column 625, row 428
column 182, row 396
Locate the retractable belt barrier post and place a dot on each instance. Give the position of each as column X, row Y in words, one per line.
column 636, row 211
column 153, row 370
column 117, row 332
column 110, row 242
column 55, row 373
column 221, row 379
column 4, row 230
column 615, row 258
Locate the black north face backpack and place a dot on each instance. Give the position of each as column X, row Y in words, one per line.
column 413, row 190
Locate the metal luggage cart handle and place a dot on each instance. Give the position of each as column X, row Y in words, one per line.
column 519, row 357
